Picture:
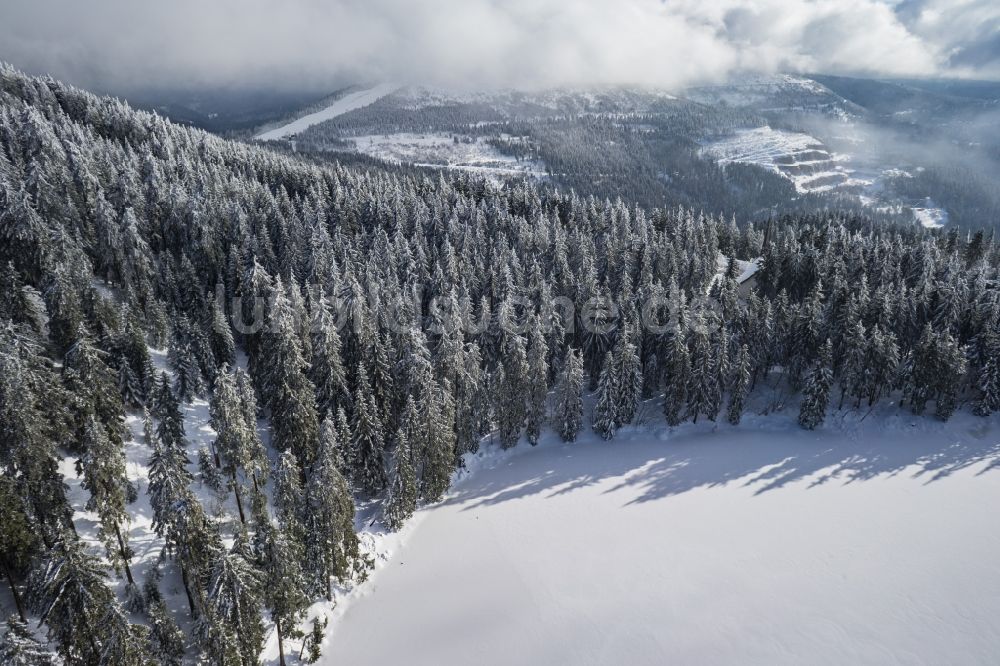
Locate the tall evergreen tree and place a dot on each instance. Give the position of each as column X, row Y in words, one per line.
column 103, row 471
column 332, row 549
column 678, row 378
column 816, row 393
column 538, row 372
column 284, row 585
column 739, row 386
column 569, row 401
column 367, row 439
column 402, row 499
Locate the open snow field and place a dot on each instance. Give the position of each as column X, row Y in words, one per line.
column 349, row 102
column 871, row 541
column 440, row 150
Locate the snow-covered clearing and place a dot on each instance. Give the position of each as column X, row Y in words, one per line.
column 443, row 151
column 349, row 102
column 930, row 215
column 143, row 540
column 801, row 158
column 870, row 541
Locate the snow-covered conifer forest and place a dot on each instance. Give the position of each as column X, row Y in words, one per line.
column 230, row 376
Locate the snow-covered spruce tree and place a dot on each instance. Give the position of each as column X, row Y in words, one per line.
column 702, row 380
column 569, row 399
column 20, row 647
column 471, row 401
column 853, row 361
column 511, row 386
column 402, row 499
column 345, row 438
column 122, row 642
column 678, row 378
column 103, row 469
column 17, row 542
column 166, row 640
column 129, row 384
column 816, row 392
column 232, row 620
column 988, row 384
column 187, row 376
column 69, row 593
column 285, row 584
column 739, row 386
column 952, row 367
column 332, row 549
column 538, row 388
column 255, row 462
column 327, row 368
column 882, row 363
column 367, row 438
column 289, row 495
column 605, row 417
column 220, row 334
column 437, row 458
column 234, row 444
column 287, row 391
column 93, row 388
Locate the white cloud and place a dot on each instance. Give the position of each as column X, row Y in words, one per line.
column 314, row 43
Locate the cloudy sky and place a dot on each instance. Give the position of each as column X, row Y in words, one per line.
column 316, row 44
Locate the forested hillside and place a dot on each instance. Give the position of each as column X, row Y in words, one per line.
column 380, row 323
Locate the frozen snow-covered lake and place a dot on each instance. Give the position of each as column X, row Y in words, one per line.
column 764, row 544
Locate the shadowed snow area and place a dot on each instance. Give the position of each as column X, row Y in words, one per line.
column 869, row 542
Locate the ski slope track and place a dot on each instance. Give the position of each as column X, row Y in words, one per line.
column 345, row 104
column 870, row 541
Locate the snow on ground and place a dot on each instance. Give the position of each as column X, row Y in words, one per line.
column 349, row 102
column 441, row 150
column 930, row 215
column 145, row 543
column 870, row 541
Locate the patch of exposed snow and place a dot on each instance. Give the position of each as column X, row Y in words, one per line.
column 443, row 151
column 930, row 215
column 348, row 102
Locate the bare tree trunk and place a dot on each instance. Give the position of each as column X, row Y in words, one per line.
column 124, row 553
column 281, row 643
column 187, row 591
column 239, row 498
column 13, row 590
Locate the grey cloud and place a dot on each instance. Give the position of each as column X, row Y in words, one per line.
column 313, row 44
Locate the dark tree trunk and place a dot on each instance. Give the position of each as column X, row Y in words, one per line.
column 187, row 591
column 14, row 592
column 124, row 553
column 281, row 643
column 239, row 498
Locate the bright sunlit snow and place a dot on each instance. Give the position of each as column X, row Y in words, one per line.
column 870, row 543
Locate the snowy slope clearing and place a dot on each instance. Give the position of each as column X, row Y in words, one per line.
column 800, row 158
column 349, row 102
column 871, row 541
column 438, row 150
column 930, row 215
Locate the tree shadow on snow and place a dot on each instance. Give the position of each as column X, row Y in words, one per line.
column 762, row 456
